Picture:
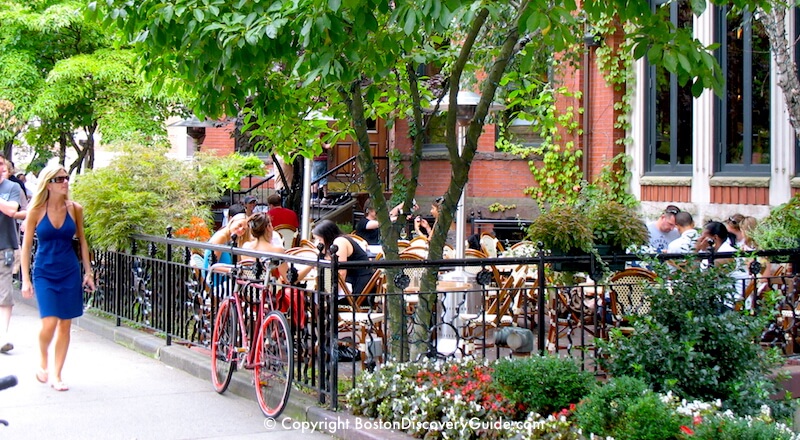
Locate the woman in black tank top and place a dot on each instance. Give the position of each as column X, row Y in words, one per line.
column 329, row 234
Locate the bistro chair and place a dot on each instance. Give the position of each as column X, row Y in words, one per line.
column 628, row 296
column 497, row 312
column 288, row 234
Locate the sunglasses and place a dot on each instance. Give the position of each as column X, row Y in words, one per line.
column 59, row 179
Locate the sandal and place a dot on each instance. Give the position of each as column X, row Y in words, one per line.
column 41, row 375
column 59, row 386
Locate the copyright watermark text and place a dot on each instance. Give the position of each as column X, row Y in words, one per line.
column 333, row 426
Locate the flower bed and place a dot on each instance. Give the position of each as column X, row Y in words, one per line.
column 465, row 399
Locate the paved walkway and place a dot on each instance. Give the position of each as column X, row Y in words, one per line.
column 127, row 385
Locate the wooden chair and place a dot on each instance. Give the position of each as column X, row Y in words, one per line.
column 473, row 253
column 402, row 245
column 418, row 242
column 490, row 245
column 418, row 251
column 360, row 240
column 289, row 235
column 307, row 243
column 628, row 296
column 448, row 252
column 363, row 320
column 498, row 312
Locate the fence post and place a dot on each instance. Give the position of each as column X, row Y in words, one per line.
column 333, row 328
column 541, row 299
column 170, row 297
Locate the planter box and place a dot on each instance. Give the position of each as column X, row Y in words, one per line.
column 569, row 266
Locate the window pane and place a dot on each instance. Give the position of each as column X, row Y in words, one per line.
column 734, row 152
column 673, row 142
column 761, row 94
column 685, row 101
column 748, row 92
column 663, row 120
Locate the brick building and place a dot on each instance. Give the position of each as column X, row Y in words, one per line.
column 711, row 156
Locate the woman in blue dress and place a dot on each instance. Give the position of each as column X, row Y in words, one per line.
column 57, row 280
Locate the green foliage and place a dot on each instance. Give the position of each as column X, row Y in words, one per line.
column 612, row 183
column 228, row 171
column 543, row 384
column 554, row 165
column 603, row 408
column 625, row 408
column 616, row 225
column 563, row 227
column 693, row 345
column 781, row 229
column 499, row 207
column 399, row 180
column 141, row 192
column 63, row 70
column 724, row 427
column 345, row 227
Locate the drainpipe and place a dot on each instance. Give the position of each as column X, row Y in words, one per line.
column 590, row 41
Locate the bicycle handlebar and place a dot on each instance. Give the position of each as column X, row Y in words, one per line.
column 8, row 382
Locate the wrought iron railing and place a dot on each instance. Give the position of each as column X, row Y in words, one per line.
column 156, row 286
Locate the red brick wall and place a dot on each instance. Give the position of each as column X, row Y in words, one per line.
column 740, row 195
column 218, row 141
column 492, row 174
column 598, row 104
column 666, row 194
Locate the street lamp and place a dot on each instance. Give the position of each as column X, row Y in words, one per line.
column 305, row 227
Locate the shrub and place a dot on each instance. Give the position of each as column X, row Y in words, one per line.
column 693, row 345
column 625, row 408
column 565, row 228
column 141, row 191
column 725, row 427
column 602, row 409
column 543, row 384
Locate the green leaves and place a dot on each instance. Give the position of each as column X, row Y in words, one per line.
column 141, row 191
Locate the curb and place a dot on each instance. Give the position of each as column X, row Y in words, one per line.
column 301, row 408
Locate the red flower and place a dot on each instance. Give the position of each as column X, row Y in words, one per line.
column 572, row 407
column 697, row 420
column 687, row 430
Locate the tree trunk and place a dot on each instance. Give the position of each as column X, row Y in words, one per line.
column 774, row 23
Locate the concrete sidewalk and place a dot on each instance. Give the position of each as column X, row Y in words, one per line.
column 125, row 384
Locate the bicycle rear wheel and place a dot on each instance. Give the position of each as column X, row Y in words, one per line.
column 223, row 346
column 274, row 365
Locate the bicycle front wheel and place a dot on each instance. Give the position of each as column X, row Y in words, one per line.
column 223, row 346
column 275, row 364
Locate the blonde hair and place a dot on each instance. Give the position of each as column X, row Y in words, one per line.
column 746, row 226
column 41, row 194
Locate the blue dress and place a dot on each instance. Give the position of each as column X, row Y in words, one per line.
column 57, row 271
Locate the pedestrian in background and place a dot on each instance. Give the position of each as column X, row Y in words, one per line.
column 56, row 274
column 9, row 241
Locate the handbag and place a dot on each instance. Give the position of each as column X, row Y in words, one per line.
column 76, row 247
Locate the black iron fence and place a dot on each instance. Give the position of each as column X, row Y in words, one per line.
column 411, row 309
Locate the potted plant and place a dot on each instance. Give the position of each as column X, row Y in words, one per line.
column 617, row 227
column 781, row 229
column 564, row 230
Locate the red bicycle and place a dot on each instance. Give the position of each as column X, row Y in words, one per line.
column 269, row 353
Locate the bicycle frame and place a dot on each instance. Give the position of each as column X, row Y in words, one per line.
column 249, row 341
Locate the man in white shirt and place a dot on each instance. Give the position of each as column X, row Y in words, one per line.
column 688, row 238
column 662, row 231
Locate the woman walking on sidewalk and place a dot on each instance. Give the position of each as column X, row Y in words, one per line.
column 56, row 271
